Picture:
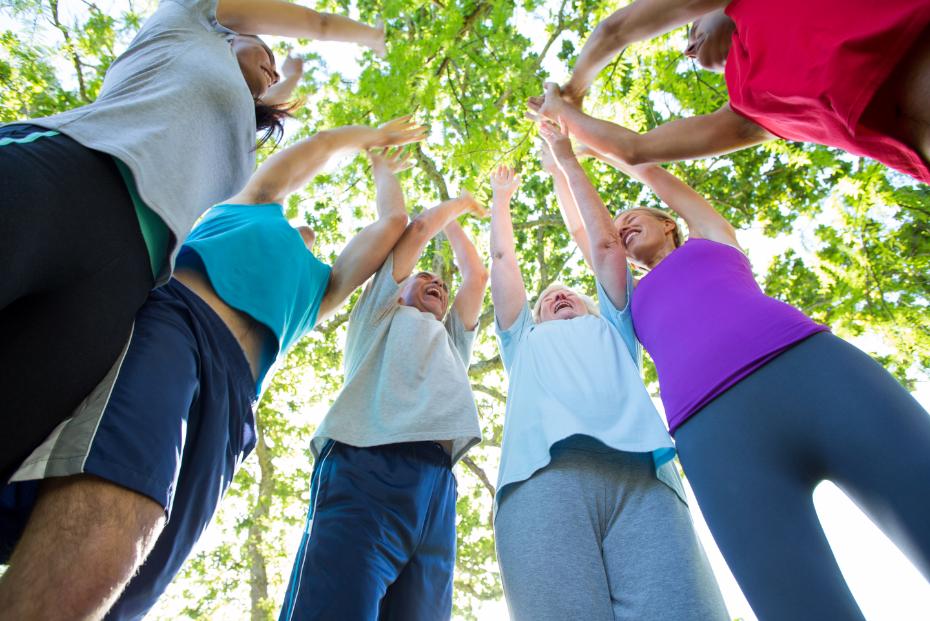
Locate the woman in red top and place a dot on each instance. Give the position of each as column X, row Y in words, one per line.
column 852, row 74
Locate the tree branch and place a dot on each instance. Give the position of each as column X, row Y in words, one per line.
column 71, row 50
column 480, row 473
column 482, row 367
column 432, row 172
column 491, row 392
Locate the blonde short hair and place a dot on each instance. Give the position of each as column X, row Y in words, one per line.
column 588, row 302
column 661, row 215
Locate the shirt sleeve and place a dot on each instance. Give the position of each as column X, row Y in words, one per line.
column 462, row 339
column 509, row 340
column 372, row 307
column 621, row 318
column 202, row 12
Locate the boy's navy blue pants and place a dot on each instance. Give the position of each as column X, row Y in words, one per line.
column 380, row 536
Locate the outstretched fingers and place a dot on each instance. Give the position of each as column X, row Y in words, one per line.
column 395, row 159
column 472, row 205
column 400, row 131
column 504, row 180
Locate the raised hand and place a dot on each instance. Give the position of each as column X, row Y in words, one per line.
column 392, row 160
column 571, row 95
column 546, row 159
column 399, row 131
column 560, row 145
column 292, row 67
column 504, row 182
column 376, row 44
column 472, row 205
column 550, row 105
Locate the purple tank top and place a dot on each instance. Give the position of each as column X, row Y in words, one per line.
column 707, row 324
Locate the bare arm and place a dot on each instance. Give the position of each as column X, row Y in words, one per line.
column 291, row 169
column 643, row 19
column 607, row 251
column 470, row 295
column 508, row 292
column 695, row 137
column 367, row 251
column 567, row 206
column 702, row 219
column 292, row 69
column 424, row 227
column 287, row 19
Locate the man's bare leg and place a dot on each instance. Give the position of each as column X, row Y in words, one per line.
column 83, row 542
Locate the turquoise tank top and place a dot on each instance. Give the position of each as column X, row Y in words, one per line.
column 258, row 264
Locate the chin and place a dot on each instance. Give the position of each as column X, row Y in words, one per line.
column 433, row 309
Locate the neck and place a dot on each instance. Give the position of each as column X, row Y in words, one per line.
column 663, row 252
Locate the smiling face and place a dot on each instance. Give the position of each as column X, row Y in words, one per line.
column 709, row 40
column 426, row 292
column 256, row 63
column 561, row 303
column 645, row 237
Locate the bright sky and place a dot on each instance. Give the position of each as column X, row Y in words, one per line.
column 886, row 585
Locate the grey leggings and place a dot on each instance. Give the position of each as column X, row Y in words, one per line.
column 594, row 536
column 820, row 410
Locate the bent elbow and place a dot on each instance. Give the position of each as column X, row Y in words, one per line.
column 609, row 32
column 482, row 275
column 396, row 223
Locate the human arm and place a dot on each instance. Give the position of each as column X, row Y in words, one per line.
column 702, row 219
column 288, row 19
column 280, row 93
column 508, row 292
column 607, row 252
column 424, row 227
column 694, row 137
column 289, row 170
column 640, row 20
column 367, row 251
column 566, row 202
column 470, row 296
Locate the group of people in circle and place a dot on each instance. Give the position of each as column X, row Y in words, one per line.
column 152, row 284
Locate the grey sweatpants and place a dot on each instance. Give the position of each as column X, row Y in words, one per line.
column 594, row 536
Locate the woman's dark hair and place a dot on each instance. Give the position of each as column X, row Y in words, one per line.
column 270, row 120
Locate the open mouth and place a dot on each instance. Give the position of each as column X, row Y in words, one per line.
column 629, row 235
column 562, row 304
column 433, row 290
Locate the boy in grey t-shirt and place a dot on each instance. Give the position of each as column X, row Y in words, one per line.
column 380, row 535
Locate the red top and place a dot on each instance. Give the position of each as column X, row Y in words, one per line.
column 807, row 69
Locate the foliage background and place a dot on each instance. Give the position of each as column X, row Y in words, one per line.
column 842, row 238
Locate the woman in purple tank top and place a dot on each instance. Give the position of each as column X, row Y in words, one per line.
column 765, row 404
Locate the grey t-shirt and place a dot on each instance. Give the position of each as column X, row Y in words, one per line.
column 176, row 110
column 405, row 375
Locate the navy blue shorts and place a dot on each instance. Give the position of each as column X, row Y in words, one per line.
column 173, row 420
column 380, row 536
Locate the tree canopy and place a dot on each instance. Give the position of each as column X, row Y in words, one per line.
column 855, row 237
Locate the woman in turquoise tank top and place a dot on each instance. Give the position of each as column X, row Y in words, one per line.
column 592, row 521
column 165, row 432
column 764, row 404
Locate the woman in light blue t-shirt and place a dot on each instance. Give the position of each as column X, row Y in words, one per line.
column 591, row 519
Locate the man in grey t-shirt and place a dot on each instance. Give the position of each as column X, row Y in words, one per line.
column 380, row 536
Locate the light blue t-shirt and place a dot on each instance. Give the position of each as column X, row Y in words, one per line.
column 577, row 376
column 258, row 264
